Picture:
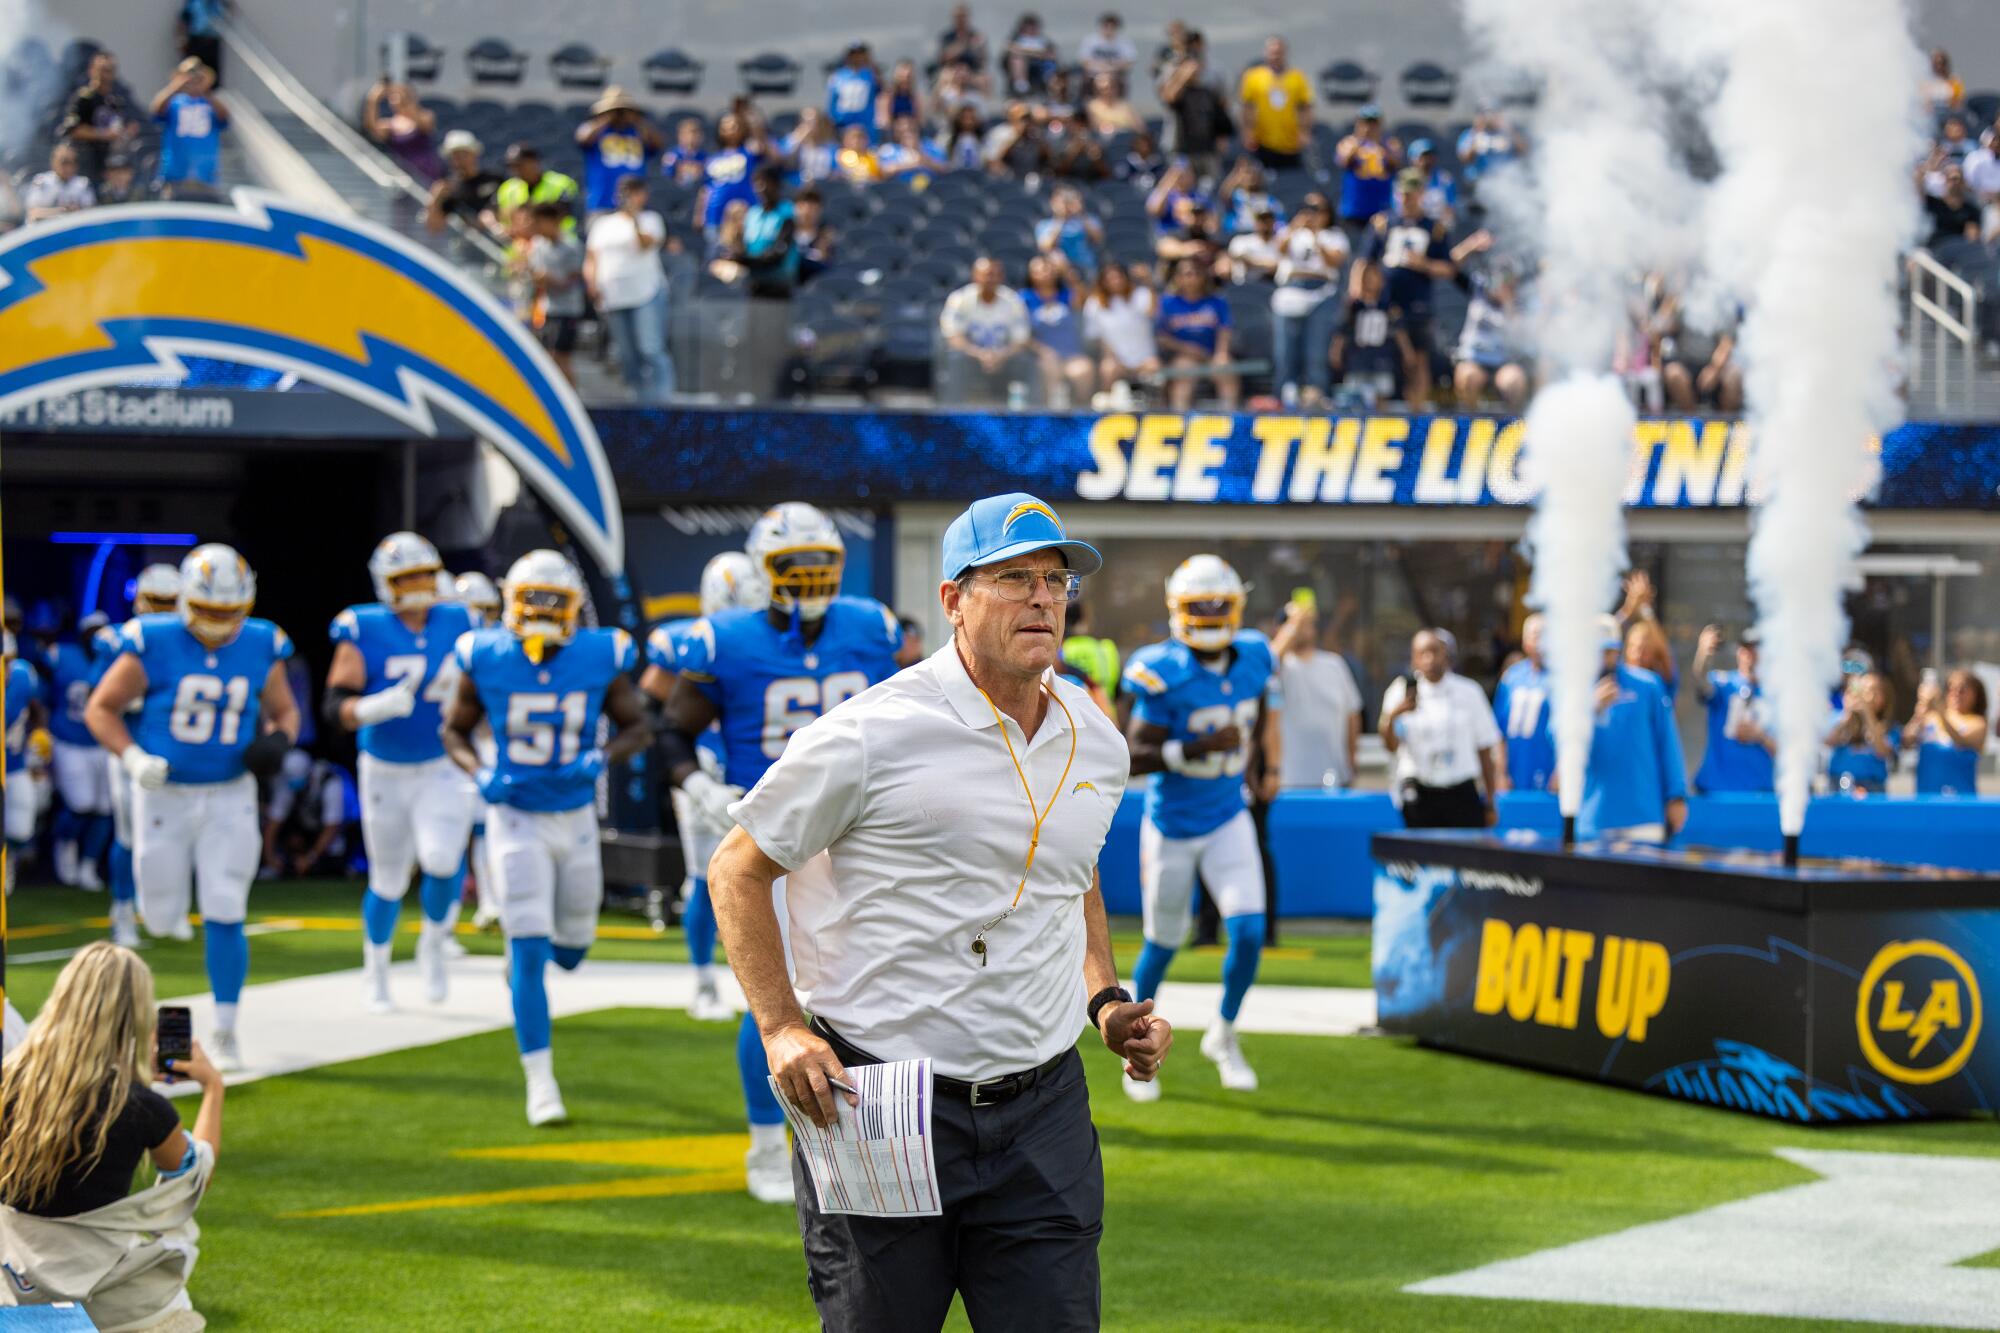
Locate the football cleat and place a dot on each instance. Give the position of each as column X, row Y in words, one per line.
column 1219, row 1045
column 431, row 962
column 406, row 571
column 1142, row 1091
column 375, row 996
column 708, row 1006
column 1205, row 603
column 218, row 588
column 801, row 554
column 545, row 1103
column 125, row 925
column 769, row 1172
column 224, row 1053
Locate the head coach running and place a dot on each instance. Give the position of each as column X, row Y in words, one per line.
column 962, row 804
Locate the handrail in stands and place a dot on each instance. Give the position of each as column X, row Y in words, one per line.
column 1947, row 327
column 370, row 160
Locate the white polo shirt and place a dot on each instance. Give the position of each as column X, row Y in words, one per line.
column 1442, row 737
column 908, row 789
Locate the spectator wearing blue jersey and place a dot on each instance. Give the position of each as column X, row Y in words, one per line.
column 1071, row 233
column 1368, row 165
column 1193, row 327
column 1635, row 784
column 1486, row 144
column 741, row 146
column 617, row 141
column 1948, row 732
column 1521, row 706
column 1058, row 332
column 1440, row 187
column 851, row 89
column 191, row 124
column 1740, row 745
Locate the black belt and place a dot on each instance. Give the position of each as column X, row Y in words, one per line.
column 985, row 1092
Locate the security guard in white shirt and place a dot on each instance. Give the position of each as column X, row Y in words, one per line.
column 1446, row 743
column 961, row 804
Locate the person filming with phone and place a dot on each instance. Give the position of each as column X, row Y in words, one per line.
column 1446, row 744
column 80, row 1116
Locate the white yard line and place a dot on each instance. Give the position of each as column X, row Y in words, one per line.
column 307, row 1022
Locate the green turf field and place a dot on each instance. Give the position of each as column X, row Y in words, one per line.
column 348, row 1197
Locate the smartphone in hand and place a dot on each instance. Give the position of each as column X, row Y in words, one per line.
column 174, row 1035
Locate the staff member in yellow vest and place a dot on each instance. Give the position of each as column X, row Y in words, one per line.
column 961, row 806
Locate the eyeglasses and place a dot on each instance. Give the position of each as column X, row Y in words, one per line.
column 1017, row 585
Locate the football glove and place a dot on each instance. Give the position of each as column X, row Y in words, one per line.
column 711, row 800
column 148, row 770
column 493, row 786
column 266, row 755
column 399, row 700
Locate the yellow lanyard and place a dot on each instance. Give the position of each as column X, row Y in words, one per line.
column 1037, row 816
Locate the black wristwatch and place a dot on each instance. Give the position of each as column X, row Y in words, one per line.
column 1107, row 996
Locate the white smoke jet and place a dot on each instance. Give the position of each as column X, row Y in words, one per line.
column 1807, row 239
column 1604, row 200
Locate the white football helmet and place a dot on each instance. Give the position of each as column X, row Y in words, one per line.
column 405, row 568
column 801, row 553
column 479, row 595
column 1205, row 603
column 218, row 588
column 733, row 579
column 543, row 594
column 157, row 590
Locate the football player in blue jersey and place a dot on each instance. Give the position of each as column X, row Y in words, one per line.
column 216, row 714
column 543, row 680
column 391, row 677
column 83, row 822
column 156, row 592
column 1196, row 701
column 1521, row 703
column 731, row 580
column 478, row 595
column 763, row 674
column 24, row 714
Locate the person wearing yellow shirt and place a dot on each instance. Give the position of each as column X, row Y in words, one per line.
column 1277, row 110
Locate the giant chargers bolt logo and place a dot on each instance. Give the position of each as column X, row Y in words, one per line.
column 109, row 294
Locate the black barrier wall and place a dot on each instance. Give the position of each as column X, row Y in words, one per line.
column 1841, row 993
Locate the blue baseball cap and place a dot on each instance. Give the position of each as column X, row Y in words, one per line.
column 1422, row 146
column 1001, row 527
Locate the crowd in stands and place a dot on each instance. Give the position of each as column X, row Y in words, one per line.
column 106, row 145
column 1286, row 254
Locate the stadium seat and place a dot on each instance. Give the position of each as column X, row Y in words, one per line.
column 783, row 123
column 444, row 108
column 672, row 70
column 578, row 65
column 422, row 61
column 1347, row 81
column 906, row 352
column 495, row 60
column 836, row 352
column 943, row 274
column 1982, row 107
column 1427, row 83
column 770, row 74
column 575, row 113
column 1409, row 131
column 875, row 252
column 936, row 230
